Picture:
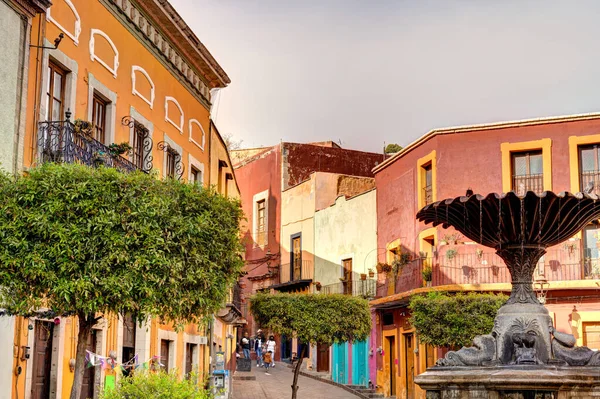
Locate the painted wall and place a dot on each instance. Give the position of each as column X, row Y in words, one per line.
column 7, row 334
column 12, row 31
column 346, row 229
column 218, row 175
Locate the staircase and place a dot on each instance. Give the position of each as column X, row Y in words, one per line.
column 365, row 392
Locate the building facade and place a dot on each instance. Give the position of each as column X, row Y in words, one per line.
column 126, row 71
column 558, row 154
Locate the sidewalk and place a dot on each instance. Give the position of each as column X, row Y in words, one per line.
column 278, row 386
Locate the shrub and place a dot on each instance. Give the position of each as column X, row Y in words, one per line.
column 156, row 385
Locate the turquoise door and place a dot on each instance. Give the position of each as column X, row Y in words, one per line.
column 360, row 368
column 339, row 372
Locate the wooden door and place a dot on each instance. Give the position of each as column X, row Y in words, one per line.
column 410, row 365
column 164, row 354
column 323, row 357
column 392, row 366
column 347, row 270
column 42, row 360
column 87, row 387
column 297, row 259
column 190, row 350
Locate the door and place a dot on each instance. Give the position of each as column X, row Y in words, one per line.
column 42, row 360
column 323, row 358
column 87, row 387
column 164, row 354
column 410, row 365
column 190, row 351
column 340, row 360
column 128, row 343
column 296, row 259
column 347, row 271
column 360, row 372
column 392, row 363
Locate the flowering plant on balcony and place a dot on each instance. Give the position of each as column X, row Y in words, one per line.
column 116, row 150
column 427, row 273
column 383, row 267
column 83, row 127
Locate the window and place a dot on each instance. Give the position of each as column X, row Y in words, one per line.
column 528, row 172
column 170, row 170
column 55, row 92
column 591, row 247
column 165, row 347
column 347, row 276
column 296, row 257
column 428, row 184
column 99, row 118
column 260, row 218
column 589, row 169
column 128, row 342
column 191, row 351
column 141, row 137
column 196, row 176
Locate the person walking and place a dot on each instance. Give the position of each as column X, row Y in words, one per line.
column 258, row 343
column 270, row 347
column 268, row 361
column 245, row 344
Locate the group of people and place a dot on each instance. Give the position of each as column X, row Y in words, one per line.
column 265, row 350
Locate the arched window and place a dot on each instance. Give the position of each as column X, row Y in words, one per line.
column 200, row 137
column 146, row 98
column 76, row 29
column 178, row 126
column 94, row 57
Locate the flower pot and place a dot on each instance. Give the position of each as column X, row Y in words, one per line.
column 371, row 274
column 363, row 276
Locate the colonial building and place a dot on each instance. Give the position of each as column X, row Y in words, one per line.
column 558, row 154
column 104, row 72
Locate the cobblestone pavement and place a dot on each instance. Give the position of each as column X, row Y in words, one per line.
column 278, row 386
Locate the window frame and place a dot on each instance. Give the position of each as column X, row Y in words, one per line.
column 508, row 148
column 53, row 68
column 528, row 176
column 295, row 258
column 99, row 129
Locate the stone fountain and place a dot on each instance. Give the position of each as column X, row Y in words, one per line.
column 523, row 356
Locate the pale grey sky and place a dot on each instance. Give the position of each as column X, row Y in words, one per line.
column 370, row 71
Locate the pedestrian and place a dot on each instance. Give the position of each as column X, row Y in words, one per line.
column 268, row 361
column 258, row 343
column 271, row 348
column 245, row 343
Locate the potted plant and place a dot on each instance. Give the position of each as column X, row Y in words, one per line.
column 99, row 158
column 383, row 267
column 427, row 275
column 423, row 254
column 451, row 254
column 479, row 253
column 318, row 286
column 371, row 272
column 363, row 276
column 83, row 127
column 452, row 239
column 116, row 150
column 495, row 270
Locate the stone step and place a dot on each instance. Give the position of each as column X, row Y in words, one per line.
column 247, row 376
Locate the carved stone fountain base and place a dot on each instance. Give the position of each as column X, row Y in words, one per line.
column 511, row 382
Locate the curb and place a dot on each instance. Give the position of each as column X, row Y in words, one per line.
column 330, row 382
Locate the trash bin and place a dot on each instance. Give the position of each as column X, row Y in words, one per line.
column 244, row 364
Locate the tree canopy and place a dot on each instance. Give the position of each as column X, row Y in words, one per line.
column 85, row 242
column 392, row 148
column 441, row 319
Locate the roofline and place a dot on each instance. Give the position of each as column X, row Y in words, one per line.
column 314, row 172
column 213, row 125
column 484, row 126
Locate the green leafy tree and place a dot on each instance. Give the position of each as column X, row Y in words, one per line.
column 392, row 148
column 87, row 242
column 447, row 320
column 312, row 319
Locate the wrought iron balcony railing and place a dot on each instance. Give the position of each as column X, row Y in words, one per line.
column 58, row 141
column 365, row 288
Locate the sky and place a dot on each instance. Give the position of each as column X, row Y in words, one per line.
column 365, row 73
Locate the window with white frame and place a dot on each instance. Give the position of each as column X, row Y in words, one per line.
column 260, row 218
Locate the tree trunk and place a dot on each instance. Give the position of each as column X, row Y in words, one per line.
column 86, row 322
column 297, row 371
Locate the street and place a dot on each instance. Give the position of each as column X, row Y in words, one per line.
column 278, row 386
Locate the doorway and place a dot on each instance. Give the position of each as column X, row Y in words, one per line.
column 42, row 359
column 360, row 370
column 323, row 358
column 87, row 387
column 347, row 276
column 409, row 356
column 392, row 362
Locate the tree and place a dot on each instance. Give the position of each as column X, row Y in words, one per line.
column 392, row 148
column 447, row 320
column 86, row 242
column 231, row 143
column 313, row 318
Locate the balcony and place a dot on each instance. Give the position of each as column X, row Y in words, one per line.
column 292, row 277
column 363, row 288
column 590, row 181
column 524, row 183
column 564, row 264
column 60, row 141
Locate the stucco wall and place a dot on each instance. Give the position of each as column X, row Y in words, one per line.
column 11, row 28
column 7, row 336
column 347, row 229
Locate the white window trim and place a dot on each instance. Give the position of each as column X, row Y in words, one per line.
column 111, row 108
column 174, row 146
column 94, row 57
column 172, row 337
column 71, row 68
column 135, row 92
column 144, row 121
column 77, row 29
column 174, row 101
column 264, row 195
column 203, row 141
column 197, row 165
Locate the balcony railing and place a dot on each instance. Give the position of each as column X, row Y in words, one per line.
column 524, row 183
column 364, row 288
column 488, row 268
column 304, row 271
column 58, row 141
column 592, row 180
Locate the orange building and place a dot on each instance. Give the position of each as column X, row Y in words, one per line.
column 135, row 70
